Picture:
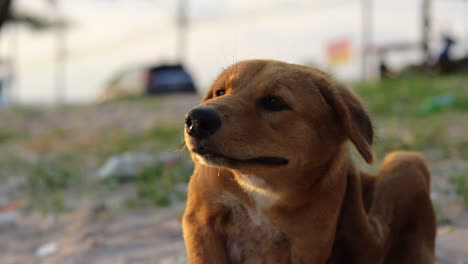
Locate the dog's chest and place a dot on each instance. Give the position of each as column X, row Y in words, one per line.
column 250, row 236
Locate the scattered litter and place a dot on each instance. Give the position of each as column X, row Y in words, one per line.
column 447, row 229
column 436, row 103
column 47, row 249
column 453, row 195
column 50, row 219
column 8, row 213
column 126, row 165
column 169, row 159
column 8, row 218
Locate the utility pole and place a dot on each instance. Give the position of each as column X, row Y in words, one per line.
column 426, row 30
column 367, row 29
column 13, row 63
column 466, row 25
column 60, row 56
column 5, row 8
column 182, row 26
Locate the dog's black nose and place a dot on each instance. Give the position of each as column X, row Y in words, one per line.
column 202, row 122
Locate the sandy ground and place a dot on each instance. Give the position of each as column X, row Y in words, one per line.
column 149, row 236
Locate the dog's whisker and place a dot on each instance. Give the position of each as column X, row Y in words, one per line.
column 250, row 197
column 182, row 147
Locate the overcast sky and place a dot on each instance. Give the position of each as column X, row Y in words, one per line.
column 109, row 35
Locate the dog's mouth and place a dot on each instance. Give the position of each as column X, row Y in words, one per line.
column 219, row 159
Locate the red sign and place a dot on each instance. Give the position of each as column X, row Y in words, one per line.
column 339, row 51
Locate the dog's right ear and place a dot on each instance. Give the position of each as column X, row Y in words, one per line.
column 352, row 116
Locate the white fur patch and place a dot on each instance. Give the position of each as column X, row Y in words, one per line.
column 261, row 196
column 252, row 234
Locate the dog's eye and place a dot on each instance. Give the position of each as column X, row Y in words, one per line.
column 220, row 92
column 274, row 103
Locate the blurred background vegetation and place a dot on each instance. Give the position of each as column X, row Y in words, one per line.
column 59, row 153
column 93, row 95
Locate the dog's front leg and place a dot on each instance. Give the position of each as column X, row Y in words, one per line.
column 312, row 231
column 204, row 244
column 204, row 221
column 310, row 249
column 363, row 234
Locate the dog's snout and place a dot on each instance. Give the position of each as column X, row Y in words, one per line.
column 202, row 122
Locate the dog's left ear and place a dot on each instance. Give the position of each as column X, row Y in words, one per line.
column 352, row 116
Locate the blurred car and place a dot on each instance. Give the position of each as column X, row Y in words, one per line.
column 152, row 80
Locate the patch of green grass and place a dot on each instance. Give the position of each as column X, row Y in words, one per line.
column 169, row 134
column 26, row 111
column 160, row 184
column 406, row 117
column 433, row 135
column 49, row 180
column 163, row 136
column 419, row 113
column 416, row 95
column 461, row 186
column 11, row 134
column 6, row 136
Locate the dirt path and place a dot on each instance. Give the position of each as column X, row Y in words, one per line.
column 151, row 236
column 452, row 245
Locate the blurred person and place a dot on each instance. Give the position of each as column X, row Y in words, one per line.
column 444, row 60
column 385, row 71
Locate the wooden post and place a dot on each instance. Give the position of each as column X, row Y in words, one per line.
column 182, row 25
column 5, row 6
column 426, row 30
column 367, row 28
column 60, row 57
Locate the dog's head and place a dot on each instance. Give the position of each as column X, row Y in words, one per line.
column 263, row 114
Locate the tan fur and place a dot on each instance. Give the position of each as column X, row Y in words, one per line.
column 317, row 208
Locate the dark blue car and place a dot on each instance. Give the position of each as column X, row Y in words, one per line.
column 169, row 79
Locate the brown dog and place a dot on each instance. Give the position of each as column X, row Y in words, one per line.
column 274, row 181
